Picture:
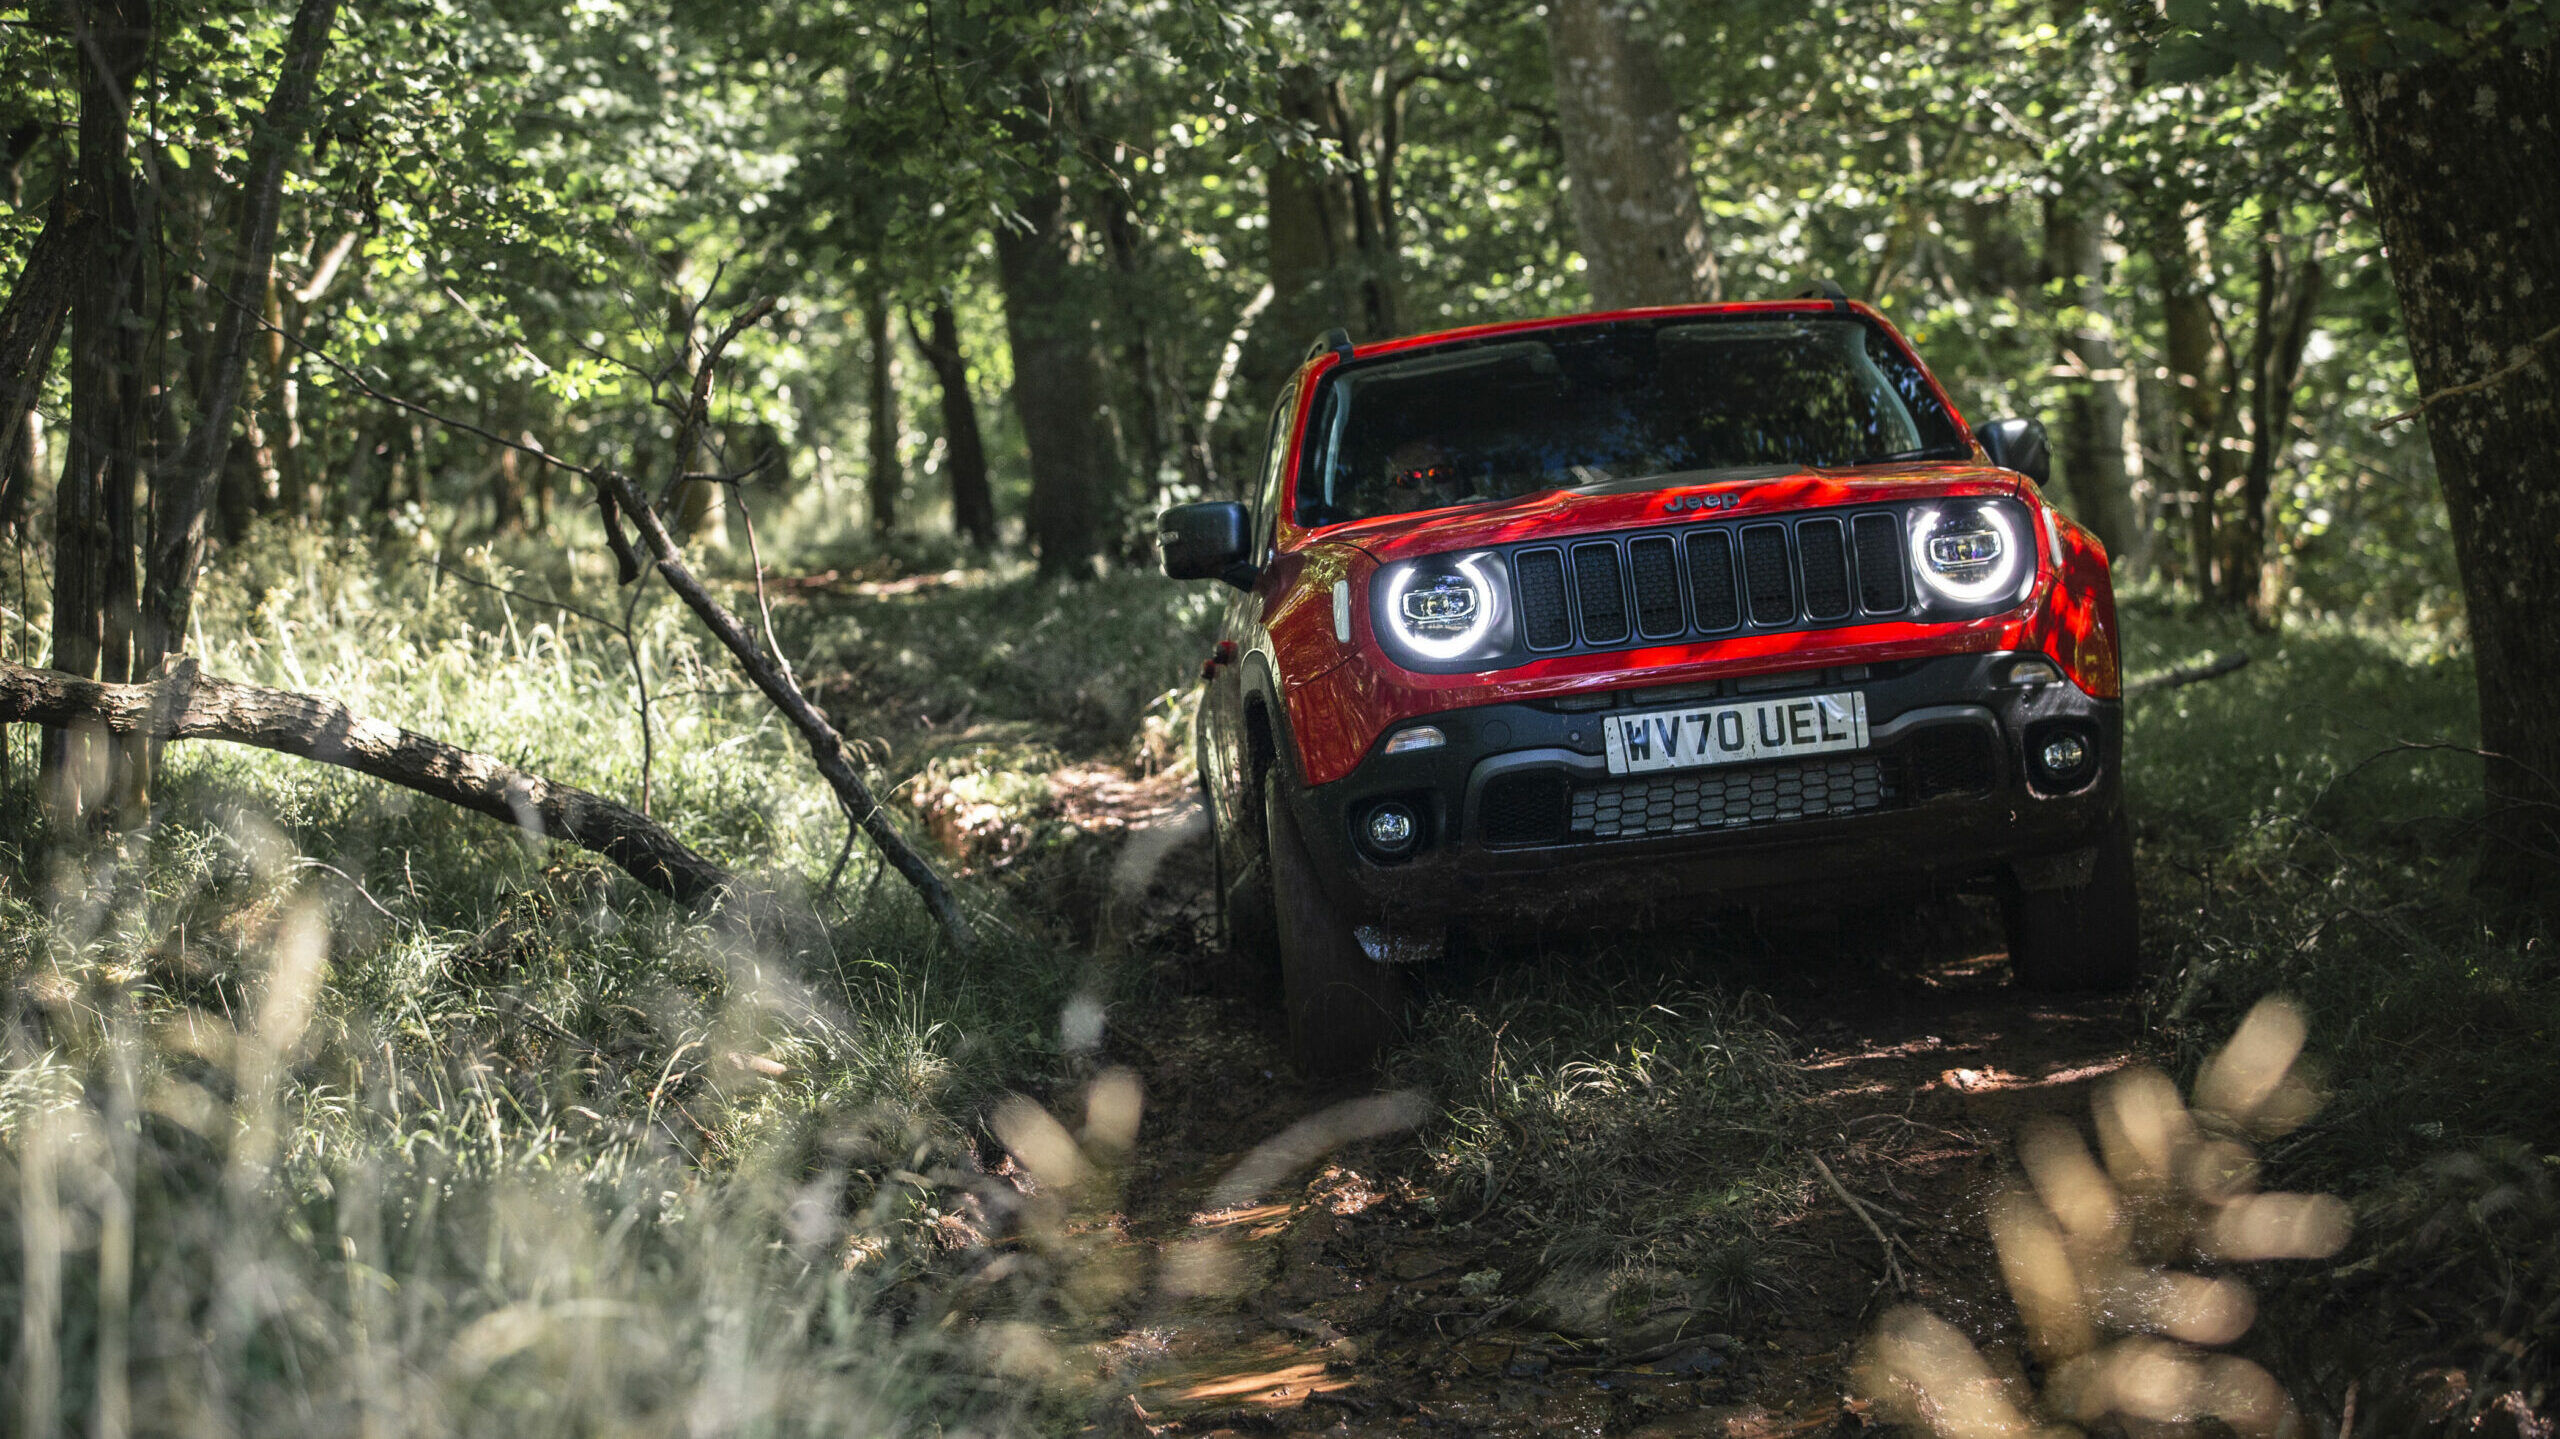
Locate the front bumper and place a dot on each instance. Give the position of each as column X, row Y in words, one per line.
column 1520, row 819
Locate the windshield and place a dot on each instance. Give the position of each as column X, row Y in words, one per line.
column 1604, row 404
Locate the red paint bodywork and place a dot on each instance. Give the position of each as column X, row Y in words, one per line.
column 1338, row 709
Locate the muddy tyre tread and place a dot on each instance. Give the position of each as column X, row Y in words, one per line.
column 2079, row 939
column 1344, row 1008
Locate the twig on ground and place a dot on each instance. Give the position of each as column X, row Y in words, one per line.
column 1892, row 1269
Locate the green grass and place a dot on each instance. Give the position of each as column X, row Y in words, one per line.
column 2306, row 829
column 1624, row 1131
column 329, row 1108
column 326, row 1105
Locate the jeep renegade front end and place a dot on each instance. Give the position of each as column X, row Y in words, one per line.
column 1624, row 614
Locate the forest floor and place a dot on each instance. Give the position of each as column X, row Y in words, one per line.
column 1357, row 1302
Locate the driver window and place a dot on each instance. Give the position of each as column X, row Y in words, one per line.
column 1275, row 448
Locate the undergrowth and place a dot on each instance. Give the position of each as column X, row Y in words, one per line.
column 2307, row 828
column 329, row 1108
column 1626, row 1132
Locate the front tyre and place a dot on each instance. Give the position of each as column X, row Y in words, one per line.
column 2083, row 937
column 1344, row 1008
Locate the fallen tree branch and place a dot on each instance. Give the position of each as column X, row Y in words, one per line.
column 826, row 746
column 2187, row 675
column 179, row 702
column 1892, row 1270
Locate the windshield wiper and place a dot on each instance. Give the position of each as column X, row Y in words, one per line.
column 1925, row 452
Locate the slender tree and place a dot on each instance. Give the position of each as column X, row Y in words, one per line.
column 1057, row 366
column 973, row 506
column 881, row 411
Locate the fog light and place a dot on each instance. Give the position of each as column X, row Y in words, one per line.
column 1391, row 829
column 2063, row 755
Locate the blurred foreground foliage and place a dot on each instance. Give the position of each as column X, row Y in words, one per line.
column 2307, row 828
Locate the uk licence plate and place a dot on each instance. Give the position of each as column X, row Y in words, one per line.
column 1735, row 733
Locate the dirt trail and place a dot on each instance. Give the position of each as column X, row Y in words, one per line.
column 1342, row 1305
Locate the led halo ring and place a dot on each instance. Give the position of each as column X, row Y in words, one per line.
column 1446, row 647
column 2003, row 576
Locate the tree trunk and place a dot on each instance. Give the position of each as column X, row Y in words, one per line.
column 2289, row 298
column 2188, row 329
column 882, row 401
column 30, row 325
column 973, row 507
column 2462, row 161
column 1057, row 385
column 1332, row 258
column 182, row 496
column 1635, row 206
column 179, row 703
column 94, row 518
column 2094, row 414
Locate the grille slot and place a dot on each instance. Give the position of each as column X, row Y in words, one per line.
column 1735, row 797
column 1544, row 621
column 1879, row 542
column 1711, row 581
column 1823, row 559
column 1602, row 591
column 1654, row 563
column 1949, row 760
column 1523, row 809
column 1764, row 575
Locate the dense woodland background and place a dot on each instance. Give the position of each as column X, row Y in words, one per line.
column 328, row 326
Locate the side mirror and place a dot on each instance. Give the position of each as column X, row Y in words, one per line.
column 1207, row 541
column 2019, row 445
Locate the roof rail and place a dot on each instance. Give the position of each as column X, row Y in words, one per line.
column 1336, row 341
column 1824, row 290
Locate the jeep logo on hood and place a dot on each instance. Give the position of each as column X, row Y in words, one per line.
column 1679, row 503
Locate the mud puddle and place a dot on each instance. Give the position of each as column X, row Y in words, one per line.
column 1340, row 1298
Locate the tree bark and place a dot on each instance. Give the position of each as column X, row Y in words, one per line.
column 2094, row 413
column 1057, row 384
column 2188, row 330
column 885, row 479
column 2289, row 299
column 1331, row 246
column 95, row 526
column 182, row 495
column 30, row 324
column 179, row 703
column 1635, row 205
column 2462, row 161
column 973, row 506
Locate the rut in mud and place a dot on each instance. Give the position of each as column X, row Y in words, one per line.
column 1363, row 1294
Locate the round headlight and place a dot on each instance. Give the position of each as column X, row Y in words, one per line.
column 1447, row 609
column 1968, row 554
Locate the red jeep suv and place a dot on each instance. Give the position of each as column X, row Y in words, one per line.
column 1625, row 616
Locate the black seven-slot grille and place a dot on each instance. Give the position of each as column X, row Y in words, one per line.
column 1616, row 590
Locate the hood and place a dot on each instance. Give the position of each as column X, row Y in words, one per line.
column 1687, row 498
